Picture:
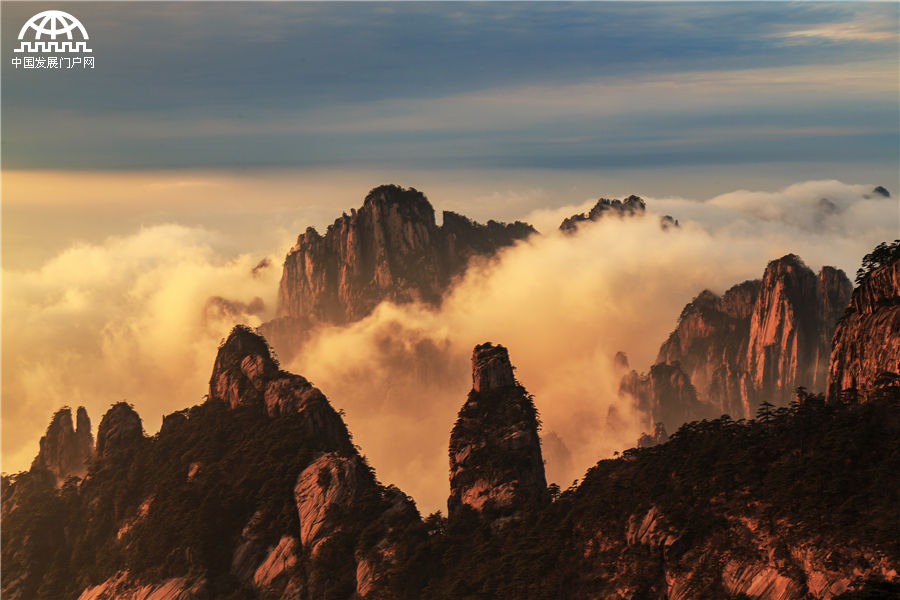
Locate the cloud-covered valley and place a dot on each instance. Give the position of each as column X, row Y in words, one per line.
column 139, row 316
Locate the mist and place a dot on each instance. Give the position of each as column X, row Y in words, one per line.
column 138, row 317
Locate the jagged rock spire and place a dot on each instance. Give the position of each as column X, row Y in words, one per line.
column 495, row 451
column 120, row 429
column 64, row 449
column 246, row 374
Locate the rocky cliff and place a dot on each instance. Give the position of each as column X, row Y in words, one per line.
column 866, row 342
column 256, row 493
column 761, row 339
column 390, row 249
column 64, row 449
column 246, row 374
column 723, row 510
column 120, row 429
column 235, row 499
column 495, row 451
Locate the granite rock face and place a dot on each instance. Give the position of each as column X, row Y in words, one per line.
column 761, row 339
column 64, row 449
column 495, row 451
column 866, row 341
column 329, row 481
column 390, row 249
column 246, row 374
column 120, row 429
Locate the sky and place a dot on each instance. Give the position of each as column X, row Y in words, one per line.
column 210, row 134
column 460, row 86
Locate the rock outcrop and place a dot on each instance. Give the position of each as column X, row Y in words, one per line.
column 328, row 482
column 64, row 449
column 866, row 342
column 376, row 562
column 390, row 249
column 246, row 374
column 120, row 429
column 122, row 587
column 761, row 339
column 630, row 207
column 495, row 450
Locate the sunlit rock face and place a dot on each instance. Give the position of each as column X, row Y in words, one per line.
column 495, row 451
column 64, row 449
column 761, row 339
column 122, row 587
column 390, row 249
column 866, row 341
column 791, row 326
column 328, row 482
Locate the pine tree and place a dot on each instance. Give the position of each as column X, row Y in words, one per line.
column 764, row 413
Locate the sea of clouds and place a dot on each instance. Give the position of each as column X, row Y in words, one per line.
column 139, row 317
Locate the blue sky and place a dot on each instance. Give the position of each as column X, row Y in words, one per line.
column 461, row 86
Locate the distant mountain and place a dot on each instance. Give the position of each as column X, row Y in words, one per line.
column 390, row 249
column 760, row 340
column 632, row 206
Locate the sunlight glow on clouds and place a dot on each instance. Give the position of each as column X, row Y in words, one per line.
column 139, row 317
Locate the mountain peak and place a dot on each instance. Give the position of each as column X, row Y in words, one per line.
column 120, row 428
column 246, row 374
column 495, row 450
column 243, row 366
column 629, row 207
column 388, row 194
column 491, row 368
column 389, row 249
column 64, row 449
